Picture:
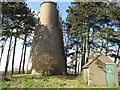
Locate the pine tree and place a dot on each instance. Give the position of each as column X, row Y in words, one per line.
column 94, row 25
column 18, row 20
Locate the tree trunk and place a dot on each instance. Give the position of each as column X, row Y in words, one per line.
column 78, row 67
column 66, row 50
column 76, row 60
column 101, row 49
column 3, row 47
column 1, row 53
column 14, row 49
column 8, row 55
column 83, row 54
column 88, row 46
column 21, row 57
column 23, row 71
column 106, row 45
column 117, row 53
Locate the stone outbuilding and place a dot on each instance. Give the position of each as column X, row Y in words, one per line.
column 100, row 71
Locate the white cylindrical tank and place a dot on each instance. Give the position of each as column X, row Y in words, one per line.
column 48, row 13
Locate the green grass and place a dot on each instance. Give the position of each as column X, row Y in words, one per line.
column 38, row 81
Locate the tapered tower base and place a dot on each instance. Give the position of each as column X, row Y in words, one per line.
column 47, row 53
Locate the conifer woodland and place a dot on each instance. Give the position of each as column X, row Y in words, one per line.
column 18, row 23
column 90, row 28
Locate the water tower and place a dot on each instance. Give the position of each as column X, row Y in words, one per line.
column 47, row 52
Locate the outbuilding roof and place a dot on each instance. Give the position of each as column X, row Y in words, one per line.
column 100, row 57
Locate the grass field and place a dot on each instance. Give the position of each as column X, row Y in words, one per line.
column 38, row 81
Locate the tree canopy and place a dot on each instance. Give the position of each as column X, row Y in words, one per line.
column 93, row 27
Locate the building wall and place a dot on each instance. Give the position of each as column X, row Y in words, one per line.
column 105, row 59
column 48, row 13
column 116, row 75
column 47, row 52
column 86, row 76
column 96, row 74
